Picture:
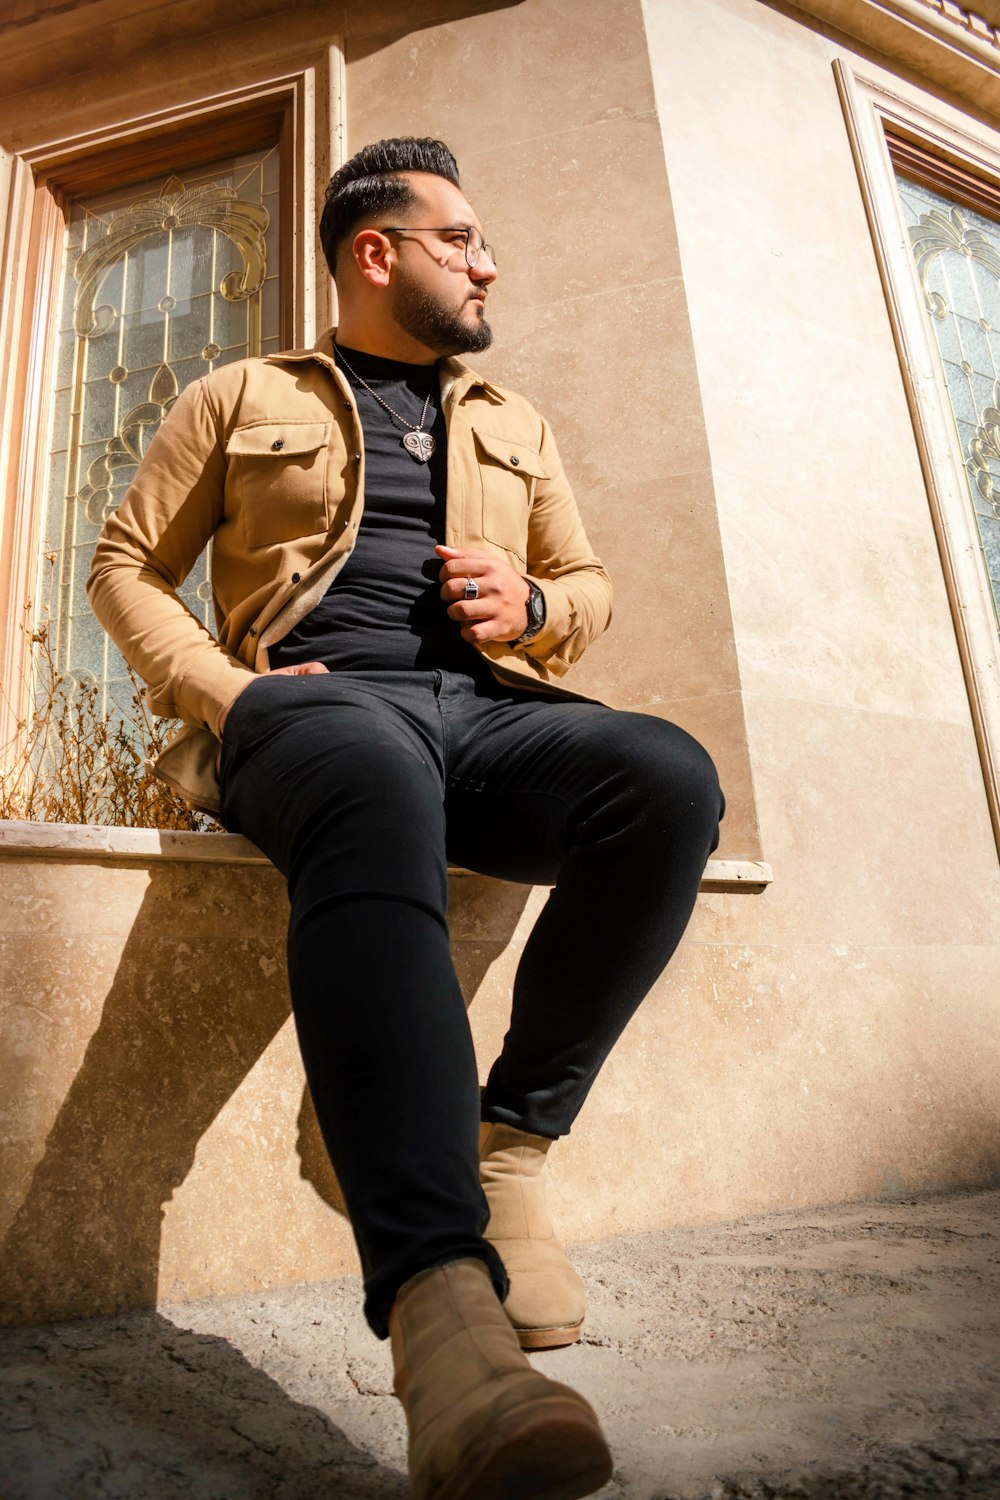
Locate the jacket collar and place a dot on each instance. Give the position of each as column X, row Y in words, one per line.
column 456, row 376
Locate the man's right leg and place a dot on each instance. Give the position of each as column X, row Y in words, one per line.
column 342, row 790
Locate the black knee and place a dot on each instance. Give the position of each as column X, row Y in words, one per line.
column 675, row 781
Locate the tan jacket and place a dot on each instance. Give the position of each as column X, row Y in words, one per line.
column 265, row 458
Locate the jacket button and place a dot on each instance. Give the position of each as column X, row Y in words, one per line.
column 357, row 458
column 347, row 406
column 514, row 459
column 296, row 577
column 253, row 630
column 277, row 444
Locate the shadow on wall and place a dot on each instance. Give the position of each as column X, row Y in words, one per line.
column 189, row 1013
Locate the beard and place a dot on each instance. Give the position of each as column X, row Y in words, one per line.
column 437, row 326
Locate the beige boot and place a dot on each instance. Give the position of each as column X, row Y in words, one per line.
column 546, row 1302
column 483, row 1424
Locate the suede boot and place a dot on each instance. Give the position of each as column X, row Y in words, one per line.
column 483, row 1424
column 546, row 1302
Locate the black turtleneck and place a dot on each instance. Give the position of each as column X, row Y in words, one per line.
column 383, row 611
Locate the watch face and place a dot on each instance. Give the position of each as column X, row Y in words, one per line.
column 535, row 609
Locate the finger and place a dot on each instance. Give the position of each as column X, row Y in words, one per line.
column 475, row 565
column 299, row 669
column 455, row 588
column 471, row 609
column 477, row 634
column 453, row 555
column 457, row 552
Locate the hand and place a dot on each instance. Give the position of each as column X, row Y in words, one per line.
column 302, row 669
column 500, row 611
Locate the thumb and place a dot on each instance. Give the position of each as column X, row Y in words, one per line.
column 299, row 669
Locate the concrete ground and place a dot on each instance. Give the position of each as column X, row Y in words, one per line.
column 846, row 1353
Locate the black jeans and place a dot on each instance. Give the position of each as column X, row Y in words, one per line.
column 360, row 788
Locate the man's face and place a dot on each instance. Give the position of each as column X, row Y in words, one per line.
column 438, row 298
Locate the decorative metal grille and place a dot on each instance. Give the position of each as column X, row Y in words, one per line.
column 162, row 283
column 957, row 253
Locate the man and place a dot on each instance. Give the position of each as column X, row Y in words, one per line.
column 401, row 576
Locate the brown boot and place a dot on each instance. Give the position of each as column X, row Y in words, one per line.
column 483, row 1424
column 546, row 1302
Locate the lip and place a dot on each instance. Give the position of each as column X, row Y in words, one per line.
column 477, row 297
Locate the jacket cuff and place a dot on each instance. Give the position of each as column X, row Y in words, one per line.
column 559, row 621
column 205, row 692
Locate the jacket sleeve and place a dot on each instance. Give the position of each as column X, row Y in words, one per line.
column 145, row 552
column 575, row 585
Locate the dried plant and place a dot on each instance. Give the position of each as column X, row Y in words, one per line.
column 70, row 761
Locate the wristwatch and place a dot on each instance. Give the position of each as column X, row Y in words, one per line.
column 536, row 616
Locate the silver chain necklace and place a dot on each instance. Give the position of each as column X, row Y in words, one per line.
column 420, row 445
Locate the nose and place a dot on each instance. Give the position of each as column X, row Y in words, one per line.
column 484, row 271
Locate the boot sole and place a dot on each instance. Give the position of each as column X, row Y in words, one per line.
column 544, row 1450
column 548, row 1338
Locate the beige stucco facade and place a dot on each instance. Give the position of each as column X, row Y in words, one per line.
column 685, row 249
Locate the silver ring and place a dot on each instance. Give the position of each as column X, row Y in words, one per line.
column 471, row 589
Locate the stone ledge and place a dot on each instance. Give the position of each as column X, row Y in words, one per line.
column 951, row 45
column 116, row 845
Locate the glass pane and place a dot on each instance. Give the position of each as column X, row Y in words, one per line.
column 957, row 253
column 991, row 547
column 162, row 282
column 189, row 328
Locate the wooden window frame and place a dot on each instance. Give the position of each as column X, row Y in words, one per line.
column 38, row 185
column 889, row 132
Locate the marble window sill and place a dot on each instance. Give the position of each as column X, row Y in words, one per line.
column 127, row 845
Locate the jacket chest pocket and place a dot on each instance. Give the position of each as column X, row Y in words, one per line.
column 508, row 472
column 280, row 479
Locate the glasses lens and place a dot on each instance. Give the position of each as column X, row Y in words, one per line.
column 473, row 246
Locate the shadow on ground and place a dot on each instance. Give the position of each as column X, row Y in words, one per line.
column 843, row 1353
column 138, row 1408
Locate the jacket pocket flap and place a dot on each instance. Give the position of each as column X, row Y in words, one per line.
column 279, row 439
column 516, row 457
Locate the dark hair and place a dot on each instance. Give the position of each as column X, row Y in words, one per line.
column 367, row 186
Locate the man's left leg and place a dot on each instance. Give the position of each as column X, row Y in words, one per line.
column 621, row 811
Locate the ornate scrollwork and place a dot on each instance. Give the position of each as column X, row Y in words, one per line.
column 984, row 452
column 933, row 234
column 128, row 445
column 211, row 205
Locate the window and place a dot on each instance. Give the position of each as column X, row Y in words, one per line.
column 95, row 284
column 930, row 183
column 162, row 281
column 957, row 256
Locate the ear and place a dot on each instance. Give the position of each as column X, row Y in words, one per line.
column 374, row 256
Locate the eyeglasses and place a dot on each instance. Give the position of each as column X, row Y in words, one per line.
column 474, row 242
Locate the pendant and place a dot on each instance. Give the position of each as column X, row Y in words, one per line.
column 420, row 445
